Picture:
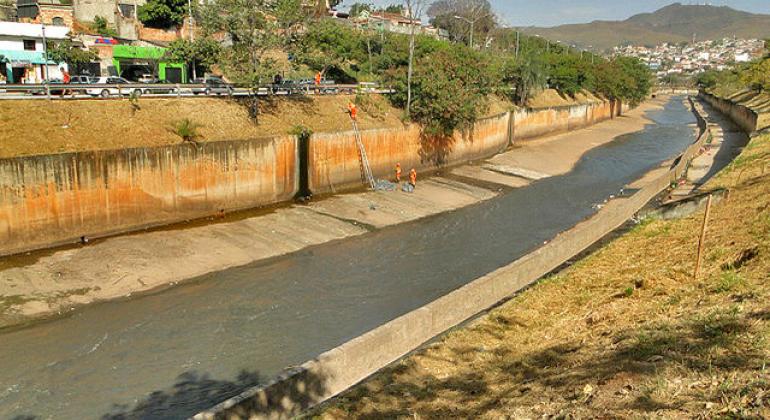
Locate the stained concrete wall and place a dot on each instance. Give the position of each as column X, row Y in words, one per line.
column 340, row 368
column 45, row 200
column 54, row 199
column 529, row 123
column 747, row 119
column 334, row 161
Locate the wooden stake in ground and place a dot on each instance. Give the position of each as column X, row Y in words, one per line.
column 702, row 240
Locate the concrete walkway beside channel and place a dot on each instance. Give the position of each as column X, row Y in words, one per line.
column 51, row 282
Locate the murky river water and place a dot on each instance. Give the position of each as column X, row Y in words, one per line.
column 172, row 354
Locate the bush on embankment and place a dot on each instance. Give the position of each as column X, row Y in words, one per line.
column 625, row 332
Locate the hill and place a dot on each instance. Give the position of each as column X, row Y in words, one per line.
column 673, row 23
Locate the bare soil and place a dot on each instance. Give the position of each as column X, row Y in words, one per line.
column 43, row 127
column 624, row 333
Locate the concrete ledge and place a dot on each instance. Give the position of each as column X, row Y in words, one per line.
column 336, row 370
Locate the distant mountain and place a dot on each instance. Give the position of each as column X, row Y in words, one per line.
column 673, row 23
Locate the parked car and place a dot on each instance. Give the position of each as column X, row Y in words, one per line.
column 55, row 86
column 159, row 89
column 106, row 92
column 212, row 85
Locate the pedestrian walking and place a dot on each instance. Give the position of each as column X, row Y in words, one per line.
column 66, row 79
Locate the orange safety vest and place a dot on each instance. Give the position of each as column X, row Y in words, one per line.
column 353, row 110
column 318, row 78
column 413, row 177
column 398, row 173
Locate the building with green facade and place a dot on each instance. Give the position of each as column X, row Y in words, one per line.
column 132, row 62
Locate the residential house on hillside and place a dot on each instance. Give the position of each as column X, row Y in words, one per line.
column 49, row 12
column 396, row 23
column 22, row 57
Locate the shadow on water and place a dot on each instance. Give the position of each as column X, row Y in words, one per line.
column 283, row 311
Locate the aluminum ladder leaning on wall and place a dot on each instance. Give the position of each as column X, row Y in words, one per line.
column 366, row 169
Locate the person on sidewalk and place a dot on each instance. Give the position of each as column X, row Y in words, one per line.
column 66, row 79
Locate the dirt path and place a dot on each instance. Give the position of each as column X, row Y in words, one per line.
column 51, row 282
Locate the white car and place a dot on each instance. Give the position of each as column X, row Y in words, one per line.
column 106, row 92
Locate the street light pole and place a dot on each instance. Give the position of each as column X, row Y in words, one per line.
column 45, row 62
column 472, row 23
column 192, row 35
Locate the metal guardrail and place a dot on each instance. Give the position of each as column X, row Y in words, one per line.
column 88, row 90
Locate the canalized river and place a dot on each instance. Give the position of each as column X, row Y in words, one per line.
column 171, row 354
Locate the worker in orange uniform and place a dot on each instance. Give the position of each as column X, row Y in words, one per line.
column 318, row 79
column 398, row 173
column 352, row 110
column 413, row 178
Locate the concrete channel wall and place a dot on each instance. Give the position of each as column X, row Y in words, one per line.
column 49, row 200
column 742, row 115
column 340, row 368
column 334, row 161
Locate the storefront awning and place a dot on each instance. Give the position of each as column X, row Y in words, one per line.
column 23, row 57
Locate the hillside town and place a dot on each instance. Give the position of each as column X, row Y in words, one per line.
column 127, row 46
column 693, row 58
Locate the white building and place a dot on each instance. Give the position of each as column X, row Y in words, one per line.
column 21, row 52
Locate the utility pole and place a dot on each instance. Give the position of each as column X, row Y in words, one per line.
column 517, row 44
column 192, row 35
column 45, row 62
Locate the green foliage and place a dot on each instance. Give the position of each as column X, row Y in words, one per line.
column 252, row 31
column 357, row 8
column 290, row 16
column 301, row 132
column 394, row 8
column 162, row 13
column 442, row 15
column 756, row 76
column 203, row 51
column 450, row 91
column 186, row 129
column 526, row 76
column 66, row 52
column 101, row 27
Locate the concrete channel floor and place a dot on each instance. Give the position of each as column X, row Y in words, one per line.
column 121, row 266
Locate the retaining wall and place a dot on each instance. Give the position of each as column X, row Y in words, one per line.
column 742, row 115
column 55, row 199
column 344, row 366
column 334, row 160
column 45, row 200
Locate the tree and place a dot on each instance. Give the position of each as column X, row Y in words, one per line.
column 203, row 51
column 327, row 46
column 162, row 13
column 414, row 9
column 290, row 15
column 756, row 76
column 65, row 52
column 101, row 27
column 357, row 8
column 442, row 15
column 251, row 30
column 395, row 9
column 526, row 76
column 450, row 89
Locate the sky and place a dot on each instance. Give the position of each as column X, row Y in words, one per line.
column 558, row 12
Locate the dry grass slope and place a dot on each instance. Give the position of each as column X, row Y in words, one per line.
column 624, row 333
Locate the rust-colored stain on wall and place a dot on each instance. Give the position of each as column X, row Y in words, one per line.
column 50, row 199
column 54, row 198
